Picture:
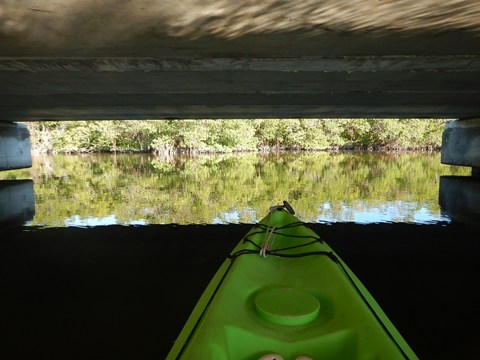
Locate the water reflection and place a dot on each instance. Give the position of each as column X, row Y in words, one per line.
column 389, row 211
column 460, row 199
column 16, row 202
column 323, row 187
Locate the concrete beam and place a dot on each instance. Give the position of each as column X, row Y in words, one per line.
column 14, row 146
column 461, row 143
column 156, row 88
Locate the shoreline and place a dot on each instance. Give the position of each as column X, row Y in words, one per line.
column 196, row 152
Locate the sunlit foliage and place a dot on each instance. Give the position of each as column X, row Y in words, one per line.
column 193, row 136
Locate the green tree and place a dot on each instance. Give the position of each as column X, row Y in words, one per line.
column 192, row 136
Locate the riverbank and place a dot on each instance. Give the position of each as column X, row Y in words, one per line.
column 223, row 136
column 200, row 152
column 126, row 291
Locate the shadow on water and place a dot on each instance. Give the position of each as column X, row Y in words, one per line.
column 126, row 291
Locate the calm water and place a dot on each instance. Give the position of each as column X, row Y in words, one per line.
column 116, row 278
column 322, row 187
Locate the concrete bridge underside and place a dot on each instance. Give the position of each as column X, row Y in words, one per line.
column 145, row 59
column 66, row 59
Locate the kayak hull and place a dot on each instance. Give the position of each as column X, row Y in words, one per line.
column 284, row 291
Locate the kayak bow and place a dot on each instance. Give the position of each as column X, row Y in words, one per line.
column 284, row 294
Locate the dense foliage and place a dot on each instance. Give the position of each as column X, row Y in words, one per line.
column 325, row 186
column 191, row 136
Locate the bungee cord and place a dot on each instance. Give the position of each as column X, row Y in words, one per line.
column 273, row 232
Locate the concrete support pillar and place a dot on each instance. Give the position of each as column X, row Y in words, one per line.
column 459, row 196
column 461, row 144
column 14, row 146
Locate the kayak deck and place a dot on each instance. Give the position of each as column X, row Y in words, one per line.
column 284, row 291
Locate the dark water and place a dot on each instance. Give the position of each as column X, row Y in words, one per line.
column 323, row 187
column 89, row 292
column 126, row 291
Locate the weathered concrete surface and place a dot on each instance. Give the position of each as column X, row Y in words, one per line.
column 14, row 146
column 459, row 199
column 461, row 143
column 66, row 59
column 147, row 88
column 17, row 202
column 230, row 28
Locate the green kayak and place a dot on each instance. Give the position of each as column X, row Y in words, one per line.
column 284, row 294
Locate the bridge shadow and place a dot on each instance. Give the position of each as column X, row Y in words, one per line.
column 121, row 291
